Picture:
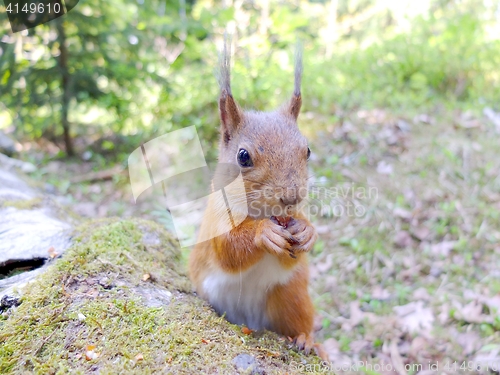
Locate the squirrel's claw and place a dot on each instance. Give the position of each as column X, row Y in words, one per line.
column 304, row 234
column 292, row 240
column 304, row 342
column 276, row 239
column 306, row 240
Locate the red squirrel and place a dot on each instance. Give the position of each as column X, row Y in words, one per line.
column 257, row 273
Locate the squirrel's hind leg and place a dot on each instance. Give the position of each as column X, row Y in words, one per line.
column 290, row 310
column 291, row 313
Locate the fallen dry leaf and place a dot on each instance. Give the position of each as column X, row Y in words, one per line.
column 90, row 353
column 93, row 293
column 424, row 118
column 146, row 277
column 469, row 341
column 358, row 346
column 402, row 213
column 472, row 313
column 325, row 265
column 444, row 314
column 421, row 294
column 403, row 239
column 269, row 353
column 52, row 252
column 379, row 293
column 418, row 345
column 443, row 248
column 491, row 302
column 489, row 357
column 355, row 318
column 396, row 358
column 384, row 168
column 66, row 294
column 246, row 330
column 415, row 318
column 331, row 347
column 421, row 233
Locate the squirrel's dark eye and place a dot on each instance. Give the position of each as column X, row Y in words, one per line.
column 244, row 158
column 308, row 153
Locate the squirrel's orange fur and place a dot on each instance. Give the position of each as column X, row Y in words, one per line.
column 257, row 273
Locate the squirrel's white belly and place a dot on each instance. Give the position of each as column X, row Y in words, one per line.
column 242, row 297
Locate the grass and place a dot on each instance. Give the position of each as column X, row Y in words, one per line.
column 430, row 236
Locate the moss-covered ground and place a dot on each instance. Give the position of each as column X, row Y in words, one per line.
column 22, row 204
column 118, row 302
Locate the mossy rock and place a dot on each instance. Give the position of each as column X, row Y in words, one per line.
column 118, row 301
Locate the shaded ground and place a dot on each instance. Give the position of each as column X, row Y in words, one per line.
column 411, row 278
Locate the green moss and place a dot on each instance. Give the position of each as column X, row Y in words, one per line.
column 22, row 205
column 95, row 295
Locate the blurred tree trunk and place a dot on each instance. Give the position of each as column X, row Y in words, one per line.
column 331, row 29
column 264, row 17
column 66, row 89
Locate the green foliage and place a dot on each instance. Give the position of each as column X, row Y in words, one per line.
column 142, row 68
column 111, row 65
column 442, row 59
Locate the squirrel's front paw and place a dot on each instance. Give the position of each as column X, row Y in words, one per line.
column 304, row 233
column 274, row 238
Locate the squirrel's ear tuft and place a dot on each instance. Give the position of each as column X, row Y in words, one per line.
column 230, row 113
column 294, row 107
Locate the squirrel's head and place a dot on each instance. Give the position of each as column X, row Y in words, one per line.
column 268, row 148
